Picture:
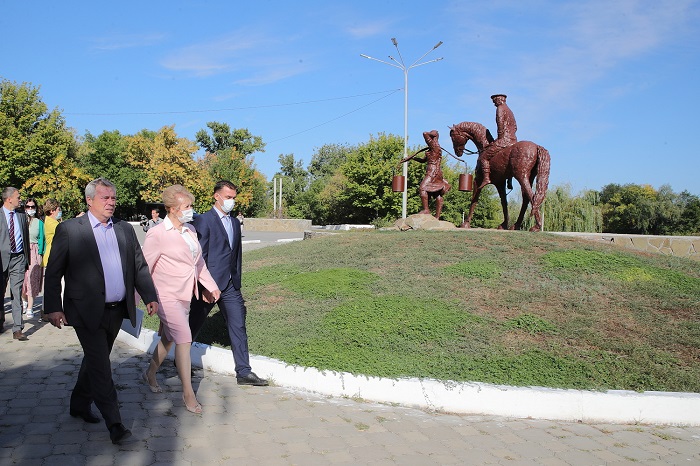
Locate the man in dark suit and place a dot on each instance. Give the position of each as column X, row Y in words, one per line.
column 220, row 237
column 14, row 257
column 101, row 261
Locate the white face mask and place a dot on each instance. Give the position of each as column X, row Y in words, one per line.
column 227, row 205
column 31, row 212
column 186, row 215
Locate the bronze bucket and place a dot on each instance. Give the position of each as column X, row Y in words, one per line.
column 465, row 181
column 398, row 183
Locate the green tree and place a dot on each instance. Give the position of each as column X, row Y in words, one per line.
column 106, row 155
column 164, row 160
column 640, row 209
column 222, row 137
column 31, row 137
column 294, row 180
column 689, row 223
column 228, row 157
column 365, row 178
column 325, row 181
column 563, row 211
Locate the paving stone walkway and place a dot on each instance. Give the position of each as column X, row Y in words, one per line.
column 278, row 426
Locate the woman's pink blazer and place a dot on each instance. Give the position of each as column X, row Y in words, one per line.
column 170, row 262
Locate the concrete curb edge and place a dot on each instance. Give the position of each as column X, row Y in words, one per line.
column 614, row 406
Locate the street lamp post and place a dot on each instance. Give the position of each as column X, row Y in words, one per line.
column 400, row 65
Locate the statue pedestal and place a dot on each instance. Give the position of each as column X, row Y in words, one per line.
column 423, row 222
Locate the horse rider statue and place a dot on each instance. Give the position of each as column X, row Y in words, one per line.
column 505, row 121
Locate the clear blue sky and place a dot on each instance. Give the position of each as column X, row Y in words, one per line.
column 610, row 87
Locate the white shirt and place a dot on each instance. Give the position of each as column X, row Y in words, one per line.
column 184, row 232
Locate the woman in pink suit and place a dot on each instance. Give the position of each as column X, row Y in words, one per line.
column 175, row 261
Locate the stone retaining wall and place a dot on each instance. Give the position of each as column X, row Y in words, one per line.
column 276, row 224
column 680, row 246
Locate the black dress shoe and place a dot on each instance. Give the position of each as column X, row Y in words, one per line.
column 118, row 433
column 86, row 415
column 252, row 379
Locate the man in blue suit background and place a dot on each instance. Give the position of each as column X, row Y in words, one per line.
column 220, row 237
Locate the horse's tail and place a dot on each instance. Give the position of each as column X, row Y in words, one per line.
column 542, row 176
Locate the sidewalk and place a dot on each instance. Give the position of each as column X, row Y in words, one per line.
column 275, row 425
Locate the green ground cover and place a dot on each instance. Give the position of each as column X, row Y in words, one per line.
column 510, row 308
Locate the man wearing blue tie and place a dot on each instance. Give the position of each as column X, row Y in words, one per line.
column 219, row 235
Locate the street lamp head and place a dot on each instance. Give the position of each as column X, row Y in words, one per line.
column 437, row 45
column 393, row 40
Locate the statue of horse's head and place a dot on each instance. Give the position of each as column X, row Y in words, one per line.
column 461, row 133
column 459, row 140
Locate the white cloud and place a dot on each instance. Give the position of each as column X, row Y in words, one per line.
column 369, row 29
column 253, row 58
column 126, row 41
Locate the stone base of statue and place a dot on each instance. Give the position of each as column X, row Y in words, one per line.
column 423, row 222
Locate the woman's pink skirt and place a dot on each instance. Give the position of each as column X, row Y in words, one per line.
column 34, row 276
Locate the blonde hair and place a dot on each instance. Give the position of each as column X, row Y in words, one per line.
column 173, row 194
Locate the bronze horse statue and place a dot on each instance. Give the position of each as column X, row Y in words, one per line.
column 523, row 161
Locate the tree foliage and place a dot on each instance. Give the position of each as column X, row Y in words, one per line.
column 165, row 159
column 564, row 211
column 106, row 156
column 37, row 151
column 228, row 157
column 294, row 182
column 221, row 137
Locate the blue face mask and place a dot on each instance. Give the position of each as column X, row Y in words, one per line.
column 59, row 215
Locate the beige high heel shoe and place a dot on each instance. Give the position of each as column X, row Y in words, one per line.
column 197, row 408
column 154, row 388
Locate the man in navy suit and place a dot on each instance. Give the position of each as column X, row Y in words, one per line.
column 219, row 235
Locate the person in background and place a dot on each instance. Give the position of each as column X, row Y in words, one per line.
column 34, row 277
column 240, row 220
column 52, row 216
column 175, row 261
column 155, row 219
column 14, row 257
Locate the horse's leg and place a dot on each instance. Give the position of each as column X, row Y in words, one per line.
column 526, row 190
column 472, row 206
column 535, row 207
column 504, row 204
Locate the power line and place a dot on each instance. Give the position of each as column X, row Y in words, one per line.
column 338, row 117
column 390, row 92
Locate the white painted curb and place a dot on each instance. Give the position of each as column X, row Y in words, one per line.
column 614, row 406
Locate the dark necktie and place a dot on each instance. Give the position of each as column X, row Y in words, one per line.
column 13, row 244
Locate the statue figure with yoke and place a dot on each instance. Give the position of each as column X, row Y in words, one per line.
column 434, row 183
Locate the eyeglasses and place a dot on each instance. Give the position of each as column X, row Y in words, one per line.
column 27, row 206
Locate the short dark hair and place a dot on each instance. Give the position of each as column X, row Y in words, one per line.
column 221, row 184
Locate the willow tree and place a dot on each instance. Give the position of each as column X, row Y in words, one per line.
column 563, row 211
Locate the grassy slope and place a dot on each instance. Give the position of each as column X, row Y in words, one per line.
column 502, row 307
